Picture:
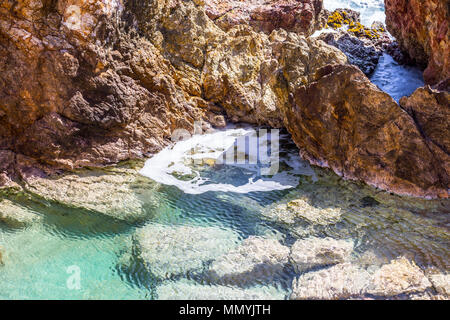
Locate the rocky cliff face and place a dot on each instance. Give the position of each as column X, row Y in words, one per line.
column 88, row 84
column 76, row 91
column 344, row 122
column 422, row 30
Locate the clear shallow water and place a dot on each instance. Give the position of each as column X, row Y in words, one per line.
column 397, row 80
column 105, row 251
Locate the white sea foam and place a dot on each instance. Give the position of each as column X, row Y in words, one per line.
column 196, row 165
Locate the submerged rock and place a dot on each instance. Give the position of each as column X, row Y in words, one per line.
column 315, row 252
column 115, row 192
column 441, row 282
column 173, row 250
column 16, row 216
column 401, row 276
column 256, row 259
column 422, row 30
column 189, row 290
column 301, row 209
column 341, row 281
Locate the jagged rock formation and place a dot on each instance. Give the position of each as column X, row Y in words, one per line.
column 344, row 122
column 422, row 30
column 291, row 15
column 362, row 45
column 75, row 91
column 89, row 84
column 362, row 54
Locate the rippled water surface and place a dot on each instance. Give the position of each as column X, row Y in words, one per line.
column 105, row 250
column 397, row 80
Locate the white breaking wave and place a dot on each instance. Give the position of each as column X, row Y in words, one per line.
column 196, row 166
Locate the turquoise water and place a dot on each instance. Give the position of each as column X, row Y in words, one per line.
column 36, row 258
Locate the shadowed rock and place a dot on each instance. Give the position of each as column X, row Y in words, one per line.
column 173, row 250
column 256, row 259
column 422, row 31
column 314, row 252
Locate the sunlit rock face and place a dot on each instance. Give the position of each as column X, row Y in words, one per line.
column 77, row 91
column 344, row 122
column 291, row 15
column 430, row 110
column 93, row 83
column 422, row 30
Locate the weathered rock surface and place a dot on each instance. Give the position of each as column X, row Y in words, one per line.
column 401, row 276
column 89, row 84
column 75, row 91
column 422, row 30
column 314, row 252
column 291, row 15
column 362, row 54
column 16, row 216
column 341, row 281
column 430, row 110
column 189, row 290
column 255, row 259
column 344, row 122
column 362, row 45
column 173, row 250
column 250, row 75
